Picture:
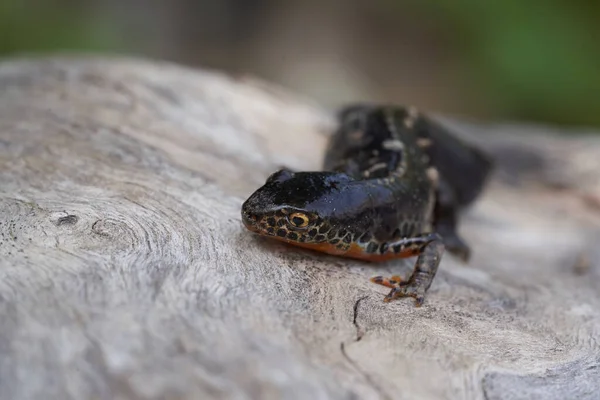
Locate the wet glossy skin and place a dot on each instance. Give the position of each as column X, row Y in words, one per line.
column 380, row 196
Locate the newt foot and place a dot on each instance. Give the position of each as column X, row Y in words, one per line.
column 400, row 289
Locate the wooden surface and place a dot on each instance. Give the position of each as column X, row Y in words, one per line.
column 125, row 272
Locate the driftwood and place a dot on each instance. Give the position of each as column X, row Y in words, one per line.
column 125, row 272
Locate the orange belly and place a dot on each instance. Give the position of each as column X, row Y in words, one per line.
column 355, row 251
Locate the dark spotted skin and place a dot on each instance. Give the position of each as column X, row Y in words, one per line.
column 392, row 185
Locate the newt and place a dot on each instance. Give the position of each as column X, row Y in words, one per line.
column 392, row 186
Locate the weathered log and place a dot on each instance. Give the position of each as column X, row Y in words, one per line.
column 125, row 272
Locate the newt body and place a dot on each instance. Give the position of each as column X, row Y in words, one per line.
column 392, row 185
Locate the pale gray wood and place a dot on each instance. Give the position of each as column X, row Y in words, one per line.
column 125, row 272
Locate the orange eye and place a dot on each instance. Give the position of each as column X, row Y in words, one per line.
column 298, row 220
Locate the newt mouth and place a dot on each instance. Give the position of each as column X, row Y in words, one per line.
column 249, row 221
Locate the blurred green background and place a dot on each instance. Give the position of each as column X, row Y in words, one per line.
column 508, row 60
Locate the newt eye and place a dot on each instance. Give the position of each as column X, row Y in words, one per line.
column 298, row 220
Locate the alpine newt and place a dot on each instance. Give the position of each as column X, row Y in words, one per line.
column 392, row 185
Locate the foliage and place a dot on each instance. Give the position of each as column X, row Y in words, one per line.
column 47, row 27
column 532, row 60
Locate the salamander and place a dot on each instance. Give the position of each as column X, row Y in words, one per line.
column 392, row 185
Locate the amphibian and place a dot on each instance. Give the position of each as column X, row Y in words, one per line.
column 392, row 185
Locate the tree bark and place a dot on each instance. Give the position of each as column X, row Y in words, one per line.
column 125, row 272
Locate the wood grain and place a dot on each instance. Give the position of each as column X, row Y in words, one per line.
column 125, row 272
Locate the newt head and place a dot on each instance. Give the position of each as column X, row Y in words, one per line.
column 303, row 208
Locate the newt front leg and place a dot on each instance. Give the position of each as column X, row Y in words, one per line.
column 430, row 248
